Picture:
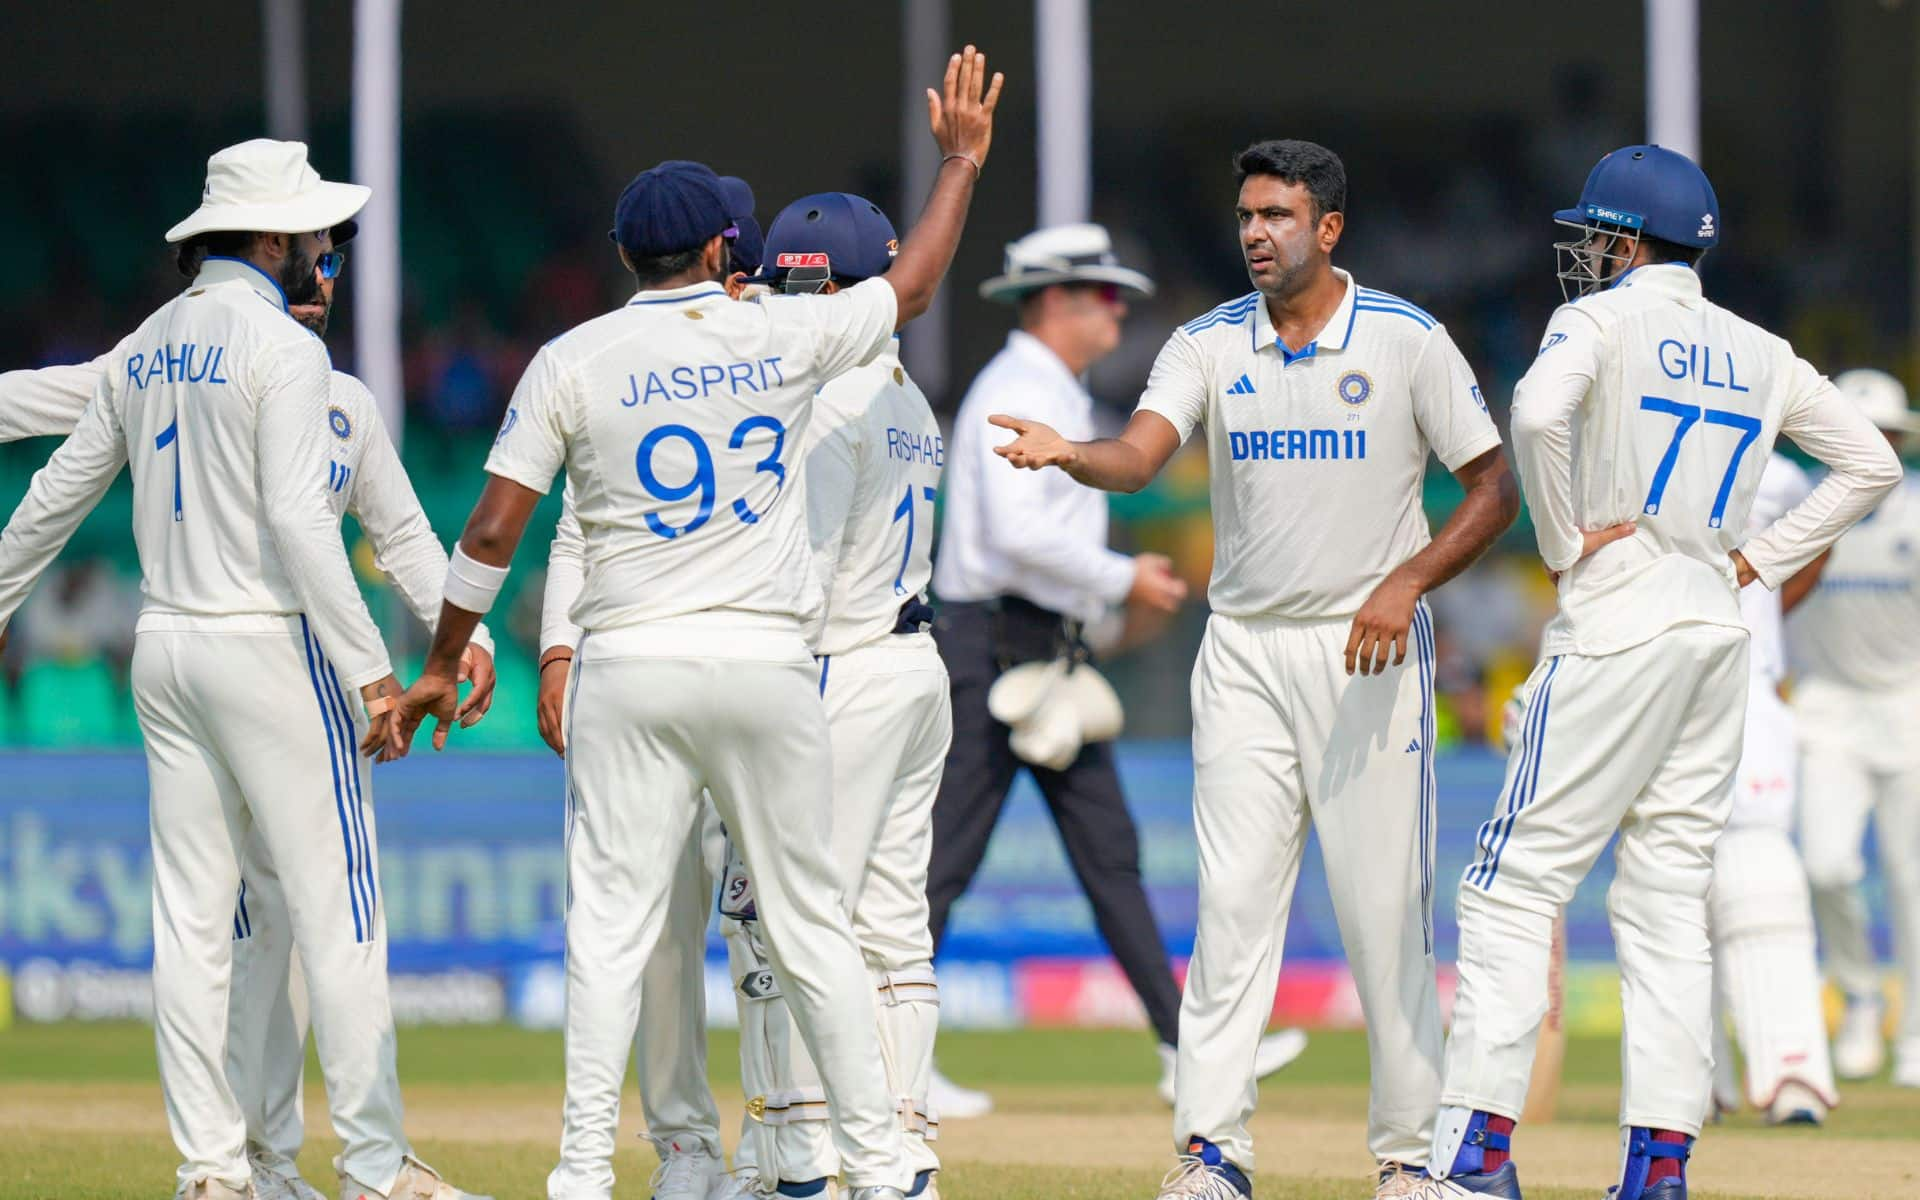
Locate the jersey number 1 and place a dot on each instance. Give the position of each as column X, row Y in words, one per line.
column 1687, row 416
column 170, row 436
column 904, row 510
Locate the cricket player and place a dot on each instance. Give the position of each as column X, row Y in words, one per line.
column 267, row 1002
column 871, row 462
column 1322, row 400
column 1641, row 432
column 223, row 407
column 678, row 419
column 1856, row 646
column 1760, row 913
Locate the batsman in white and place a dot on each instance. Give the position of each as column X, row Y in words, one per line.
column 267, row 1014
column 1856, row 647
column 1641, row 432
column 1760, row 913
column 1322, row 400
column 871, row 460
column 678, row 419
column 224, row 407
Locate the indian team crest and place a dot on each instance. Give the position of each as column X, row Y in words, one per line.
column 1354, row 388
column 338, row 422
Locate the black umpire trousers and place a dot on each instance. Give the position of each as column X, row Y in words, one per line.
column 978, row 641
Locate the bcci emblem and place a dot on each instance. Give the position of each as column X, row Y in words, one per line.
column 337, row 421
column 1354, row 388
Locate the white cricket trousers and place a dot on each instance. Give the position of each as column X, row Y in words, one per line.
column 1644, row 742
column 1861, row 758
column 248, row 729
column 671, row 1050
column 728, row 702
column 1283, row 738
column 267, row 1013
column 890, row 718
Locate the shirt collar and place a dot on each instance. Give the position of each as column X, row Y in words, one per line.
column 1042, row 357
column 1677, row 280
column 1334, row 335
column 679, row 295
column 219, row 268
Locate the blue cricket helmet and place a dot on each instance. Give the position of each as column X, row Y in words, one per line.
column 1650, row 190
column 828, row 235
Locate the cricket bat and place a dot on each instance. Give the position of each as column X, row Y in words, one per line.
column 1550, row 1052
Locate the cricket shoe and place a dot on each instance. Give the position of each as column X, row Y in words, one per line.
column 878, row 1191
column 277, row 1178
column 741, row 1184
column 1796, row 1104
column 1204, row 1174
column 213, row 1189
column 956, row 1103
column 1398, row 1179
column 416, row 1181
column 1666, row 1189
column 1275, row 1051
column 1858, row 1051
column 1502, row 1183
column 1906, row 1063
column 684, row 1174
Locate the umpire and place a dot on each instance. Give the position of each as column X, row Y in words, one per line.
column 1023, row 563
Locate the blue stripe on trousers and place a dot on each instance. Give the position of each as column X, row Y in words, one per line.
column 1424, row 653
column 339, row 797
column 368, row 891
column 1526, row 779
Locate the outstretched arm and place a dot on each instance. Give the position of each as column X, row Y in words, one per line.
column 1120, row 464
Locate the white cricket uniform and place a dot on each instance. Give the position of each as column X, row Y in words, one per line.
column 1855, row 644
column 223, row 405
column 268, row 1010
column 679, row 420
column 1760, row 916
column 670, row 1050
column 1317, row 460
column 872, row 463
column 1647, row 403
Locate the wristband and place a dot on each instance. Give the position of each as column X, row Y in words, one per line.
column 379, row 705
column 471, row 585
column 965, row 158
column 558, row 658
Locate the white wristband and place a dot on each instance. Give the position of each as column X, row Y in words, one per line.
column 472, row 585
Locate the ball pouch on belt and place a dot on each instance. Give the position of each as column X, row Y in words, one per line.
column 1055, row 708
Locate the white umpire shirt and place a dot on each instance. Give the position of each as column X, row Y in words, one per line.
column 370, row 483
column 1034, row 534
column 1317, row 458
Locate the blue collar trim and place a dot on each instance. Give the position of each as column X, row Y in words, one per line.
column 271, row 281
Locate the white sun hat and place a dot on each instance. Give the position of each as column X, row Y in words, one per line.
column 1880, row 398
column 266, row 186
column 1062, row 254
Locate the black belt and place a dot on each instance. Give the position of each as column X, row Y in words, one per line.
column 1020, row 631
column 916, row 616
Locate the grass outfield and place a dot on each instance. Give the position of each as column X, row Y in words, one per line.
column 80, row 1119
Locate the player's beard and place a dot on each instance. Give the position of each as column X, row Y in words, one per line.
column 298, row 279
column 1289, row 269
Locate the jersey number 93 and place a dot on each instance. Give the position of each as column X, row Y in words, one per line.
column 703, row 482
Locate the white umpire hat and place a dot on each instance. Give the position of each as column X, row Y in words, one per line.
column 1062, row 254
column 266, row 186
column 1880, row 397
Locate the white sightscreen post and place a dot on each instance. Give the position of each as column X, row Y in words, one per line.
column 376, row 163
column 1673, row 75
column 1063, row 79
column 284, row 48
column 923, row 57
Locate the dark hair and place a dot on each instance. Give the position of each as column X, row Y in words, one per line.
column 1309, row 164
column 656, row 268
column 1660, row 250
column 193, row 253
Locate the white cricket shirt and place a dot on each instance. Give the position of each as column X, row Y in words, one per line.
column 1317, row 458
column 1649, row 403
column 222, row 404
column 1033, row 534
column 1861, row 627
column 1782, row 485
column 48, row 401
column 679, row 419
column 873, row 459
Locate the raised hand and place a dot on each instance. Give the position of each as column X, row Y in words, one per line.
column 961, row 115
column 1037, row 446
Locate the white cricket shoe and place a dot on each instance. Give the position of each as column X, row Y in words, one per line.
column 878, row 1191
column 956, row 1103
column 683, row 1174
column 741, row 1184
column 275, row 1177
column 1906, row 1062
column 416, row 1181
column 1274, row 1052
column 1192, row 1179
column 1796, row 1104
column 212, row 1189
column 1398, row 1179
column 1858, row 1051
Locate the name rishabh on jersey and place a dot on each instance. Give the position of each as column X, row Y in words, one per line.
column 1317, row 457
column 680, row 418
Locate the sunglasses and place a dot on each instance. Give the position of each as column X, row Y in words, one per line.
column 331, row 264
column 1108, row 292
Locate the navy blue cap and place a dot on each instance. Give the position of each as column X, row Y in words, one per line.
column 855, row 237
column 675, row 206
column 1654, row 190
column 748, row 244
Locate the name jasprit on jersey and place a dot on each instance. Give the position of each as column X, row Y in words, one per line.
column 690, row 382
